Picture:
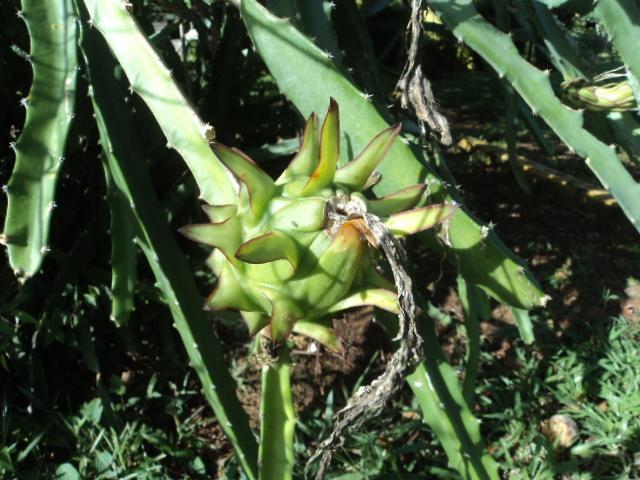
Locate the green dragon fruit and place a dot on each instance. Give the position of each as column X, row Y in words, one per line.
column 290, row 253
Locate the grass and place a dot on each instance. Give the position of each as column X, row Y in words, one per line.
column 594, row 381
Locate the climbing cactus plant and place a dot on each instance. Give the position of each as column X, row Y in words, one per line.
column 290, row 252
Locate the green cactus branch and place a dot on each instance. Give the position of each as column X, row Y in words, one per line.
column 533, row 85
column 313, row 18
column 444, row 409
column 297, row 64
column 442, row 402
column 124, row 252
column 476, row 308
column 169, row 266
column 150, row 79
column 621, row 20
column 278, row 423
column 561, row 53
column 40, row 147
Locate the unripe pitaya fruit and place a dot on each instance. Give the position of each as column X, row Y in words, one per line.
column 286, row 255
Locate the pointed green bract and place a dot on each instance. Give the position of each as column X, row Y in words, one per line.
column 255, row 321
column 282, row 321
column 323, row 175
column 225, row 235
column 378, row 297
column 230, row 293
column 419, row 219
column 374, row 278
column 337, row 268
column 305, row 215
column 220, row 213
column 259, row 185
column 306, row 161
column 270, row 247
column 356, row 173
column 396, row 202
column 320, row 331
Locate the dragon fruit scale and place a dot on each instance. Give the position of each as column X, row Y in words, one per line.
column 291, row 252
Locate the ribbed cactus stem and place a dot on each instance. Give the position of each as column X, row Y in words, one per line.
column 41, row 145
column 151, row 79
column 278, row 418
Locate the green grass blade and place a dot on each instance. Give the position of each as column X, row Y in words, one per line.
column 435, row 385
column 297, row 65
column 153, row 82
column 169, row 266
column 533, row 85
column 621, row 20
column 40, row 148
column 124, row 253
column 278, row 420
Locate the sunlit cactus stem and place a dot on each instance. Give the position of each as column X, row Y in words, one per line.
column 41, row 146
